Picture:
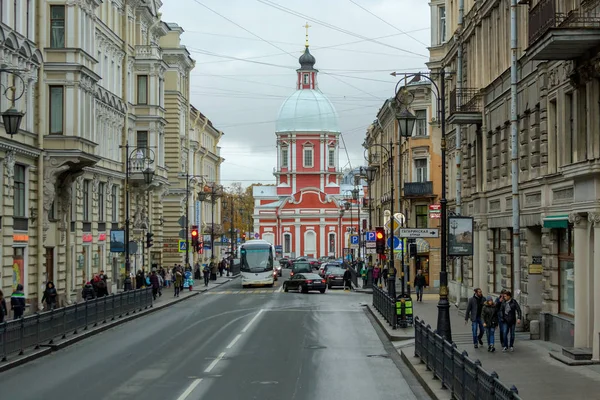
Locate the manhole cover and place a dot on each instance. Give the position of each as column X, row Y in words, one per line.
column 315, row 347
column 378, row 356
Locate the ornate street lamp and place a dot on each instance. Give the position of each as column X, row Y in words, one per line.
column 12, row 120
column 406, row 122
column 371, row 171
column 354, row 194
column 148, row 175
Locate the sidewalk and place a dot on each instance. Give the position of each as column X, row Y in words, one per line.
column 530, row 368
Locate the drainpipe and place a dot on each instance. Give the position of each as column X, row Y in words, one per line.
column 463, row 284
column 40, row 206
column 514, row 151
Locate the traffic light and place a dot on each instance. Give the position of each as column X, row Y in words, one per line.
column 380, row 240
column 149, row 240
column 244, row 237
column 194, row 237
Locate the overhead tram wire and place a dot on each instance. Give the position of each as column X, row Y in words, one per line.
column 387, row 23
column 333, row 27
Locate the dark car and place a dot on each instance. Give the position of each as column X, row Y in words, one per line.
column 335, row 277
column 285, row 262
column 305, row 282
column 300, row 267
column 325, row 267
column 314, row 263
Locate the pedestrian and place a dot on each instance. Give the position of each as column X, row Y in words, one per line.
column 139, row 279
column 420, row 283
column 206, row 274
column 88, row 292
column 50, row 295
column 17, row 302
column 499, row 302
column 178, row 282
column 154, row 283
column 474, row 309
column 376, row 272
column 363, row 275
column 489, row 315
column 127, row 283
column 3, row 309
column 348, row 279
column 510, row 312
column 385, row 272
column 168, row 278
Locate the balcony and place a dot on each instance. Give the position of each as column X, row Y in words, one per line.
column 555, row 35
column 465, row 107
column 418, row 189
column 148, row 53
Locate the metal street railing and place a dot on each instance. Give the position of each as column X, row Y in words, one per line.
column 466, row 379
column 44, row 328
column 386, row 306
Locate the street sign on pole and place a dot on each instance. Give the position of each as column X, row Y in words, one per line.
column 354, row 240
column 370, row 236
column 419, row 233
column 398, row 244
column 182, row 246
column 182, row 221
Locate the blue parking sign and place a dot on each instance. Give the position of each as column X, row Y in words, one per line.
column 370, row 236
column 354, row 239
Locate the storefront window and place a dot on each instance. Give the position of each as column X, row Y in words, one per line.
column 566, row 271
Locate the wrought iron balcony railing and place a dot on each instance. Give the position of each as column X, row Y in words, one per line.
column 418, row 189
column 465, row 100
column 545, row 16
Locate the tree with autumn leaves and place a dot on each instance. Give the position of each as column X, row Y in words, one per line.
column 243, row 208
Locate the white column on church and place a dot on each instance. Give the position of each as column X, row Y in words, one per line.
column 294, row 157
column 297, row 248
column 582, row 276
column 322, row 239
column 594, row 219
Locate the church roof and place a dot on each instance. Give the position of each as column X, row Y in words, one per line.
column 307, row 60
column 307, row 110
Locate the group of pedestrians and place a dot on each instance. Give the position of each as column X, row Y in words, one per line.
column 486, row 314
column 17, row 304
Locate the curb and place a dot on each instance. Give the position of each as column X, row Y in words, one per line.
column 47, row 349
column 393, row 338
column 419, row 377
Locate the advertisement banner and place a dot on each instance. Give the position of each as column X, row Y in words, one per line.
column 460, row 236
column 117, row 241
column 18, row 271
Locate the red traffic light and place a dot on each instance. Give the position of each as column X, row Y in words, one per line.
column 380, row 235
column 194, row 233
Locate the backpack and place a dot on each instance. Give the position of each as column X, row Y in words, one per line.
column 101, row 284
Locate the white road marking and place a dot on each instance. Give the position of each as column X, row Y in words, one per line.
column 190, row 389
column 252, row 321
column 234, row 341
column 280, row 289
column 214, row 363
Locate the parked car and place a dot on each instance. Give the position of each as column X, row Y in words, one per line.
column 305, row 282
column 335, row 277
column 285, row 262
column 314, row 263
column 300, row 267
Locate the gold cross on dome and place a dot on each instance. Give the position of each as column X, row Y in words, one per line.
column 307, row 26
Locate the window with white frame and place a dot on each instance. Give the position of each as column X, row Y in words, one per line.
column 20, row 190
column 421, row 170
column 332, row 243
column 56, row 108
column 101, row 205
column 442, row 24
column 287, row 243
column 308, row 156
column 306, row 79
column 115, row 203
column 331, row 161
column 284, row 156
column 142, row 89
column 86, row 201
column 57, row 26
column 421, row 125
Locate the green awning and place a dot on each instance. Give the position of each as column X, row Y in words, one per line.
column 556, row 221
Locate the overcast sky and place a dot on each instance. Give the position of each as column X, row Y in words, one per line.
column 247, row 51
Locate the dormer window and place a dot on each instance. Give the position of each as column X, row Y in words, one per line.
column 306, row 78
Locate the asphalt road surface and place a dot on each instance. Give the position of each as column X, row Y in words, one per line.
column 227, row 344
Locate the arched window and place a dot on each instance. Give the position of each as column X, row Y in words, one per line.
column 287, row 243
column 308, row 155
column 269, row 237
column 310, row 243
column 331, row 243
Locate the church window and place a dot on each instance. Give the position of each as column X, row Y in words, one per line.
column 306, row 79
column 331, row 157
column 308, row 157
column 284, row 157
column 332, row 243
column 287, row 243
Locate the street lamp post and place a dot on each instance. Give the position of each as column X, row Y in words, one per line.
column 145, row 161
column 215, row 192
column 355, row 197
column 188, row 179
column 443, row 320
column 231, row 232
column 341, row 239
column 12, row 118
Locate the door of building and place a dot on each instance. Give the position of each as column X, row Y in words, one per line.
column 49, row 264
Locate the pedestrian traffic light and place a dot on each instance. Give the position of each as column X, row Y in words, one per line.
column 194, row 237
column 149, row 240
column 380, row 240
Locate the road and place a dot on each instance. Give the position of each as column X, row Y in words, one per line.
column 227, row 344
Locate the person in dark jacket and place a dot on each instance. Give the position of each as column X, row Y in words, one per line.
column 420, row 283
column 155, row 283
column 3, row 309
column 489, row 314
column 17, row 302
column 139, row 279
column 50, row 295
column 348, row 279
column 88, row 292
column 499, row 302
column 510, row 313
column 473, row 313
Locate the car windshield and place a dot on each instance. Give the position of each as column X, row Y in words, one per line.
column 302, row 267
column 256, row 259
column 312, row 276
column 335, row 271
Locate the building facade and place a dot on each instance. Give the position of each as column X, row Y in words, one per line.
column 416, row 174
column 92, row 80
column 303, row 213
column 558, row 151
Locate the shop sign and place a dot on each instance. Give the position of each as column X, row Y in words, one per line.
column 20, row 237
column 87, row 238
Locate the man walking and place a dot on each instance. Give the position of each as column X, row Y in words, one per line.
column 474, row 313
column 420, row 284
column 510, row 313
